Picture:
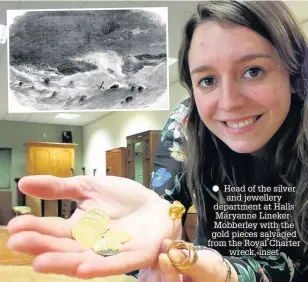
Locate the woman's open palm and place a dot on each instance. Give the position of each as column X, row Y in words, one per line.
column 130, row 206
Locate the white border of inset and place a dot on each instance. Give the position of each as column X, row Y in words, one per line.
column 11, row 14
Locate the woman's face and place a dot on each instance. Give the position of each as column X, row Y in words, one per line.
column 242, row 90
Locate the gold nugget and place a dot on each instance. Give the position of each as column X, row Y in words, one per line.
column 176, row 211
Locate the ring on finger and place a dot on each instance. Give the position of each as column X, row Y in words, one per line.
column 191, row 257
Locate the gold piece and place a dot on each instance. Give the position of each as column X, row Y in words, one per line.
column 107, row 247
column 101, row 222
column 176, row 210
column 96, row 211
column 91, row 227
column 87, row 235
column 191, row 257
column 84, row 224
column 102, row 217
column 118, row 235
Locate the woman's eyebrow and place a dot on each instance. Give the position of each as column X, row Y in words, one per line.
column 247, row 57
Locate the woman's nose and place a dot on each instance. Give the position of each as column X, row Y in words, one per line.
column 230, row 96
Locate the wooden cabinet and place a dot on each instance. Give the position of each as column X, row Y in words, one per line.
column 5, row 208
column 116, row 160
column 141, row 149
column 44, row 158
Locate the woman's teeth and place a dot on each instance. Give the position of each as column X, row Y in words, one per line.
column 241, row 124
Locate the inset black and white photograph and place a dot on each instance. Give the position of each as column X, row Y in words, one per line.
column 88, row 60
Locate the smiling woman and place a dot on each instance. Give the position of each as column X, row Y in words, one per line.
column 246, row 126
column 246, row 76
column 236, row 89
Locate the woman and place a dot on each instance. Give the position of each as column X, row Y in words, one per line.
column 243, row 64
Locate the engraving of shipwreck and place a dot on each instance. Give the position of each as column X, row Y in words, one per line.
column 85, row 60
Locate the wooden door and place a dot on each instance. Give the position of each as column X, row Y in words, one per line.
column 46, row 158
column 64, row 161
column 116, row 162
column 130, row 159
column 40, row 162
column 62, row 164
column 149, row 150
column 149, row 140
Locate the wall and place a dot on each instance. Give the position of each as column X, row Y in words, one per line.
column 15, row 134
column 110, row 131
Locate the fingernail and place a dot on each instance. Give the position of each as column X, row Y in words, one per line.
column 176, row 256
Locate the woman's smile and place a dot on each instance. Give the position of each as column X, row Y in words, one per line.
column 241, row 126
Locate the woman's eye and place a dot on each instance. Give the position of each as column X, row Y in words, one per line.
column 206, row 82
column 253, row 72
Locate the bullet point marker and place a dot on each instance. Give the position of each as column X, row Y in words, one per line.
column 215, row 188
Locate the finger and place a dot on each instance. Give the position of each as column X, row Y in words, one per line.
column 164, row 260
column 149, row 274
column 56, row 227
column 50, row 187
column 121, row 263
column 165, row 263
column 34, row 243
column 168, row 277
column 154, row 274
column 208, row 264
column 59, row 263
column 177, row 256
column 165, row 245
column 172, row 278
column 166, row 266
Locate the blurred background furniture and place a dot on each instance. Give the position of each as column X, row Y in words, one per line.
column 5, row 207
column 53, row 159
column 21, row 207
column 116, row 162
column 141, row 149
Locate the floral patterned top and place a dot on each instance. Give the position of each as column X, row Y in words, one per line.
column 168, row 181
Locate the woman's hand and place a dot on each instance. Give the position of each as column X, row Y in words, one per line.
column 209, row 267
column 130, row 206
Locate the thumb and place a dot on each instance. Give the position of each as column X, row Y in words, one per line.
column 165, row 265
column 170, row 273
column 177, row 256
